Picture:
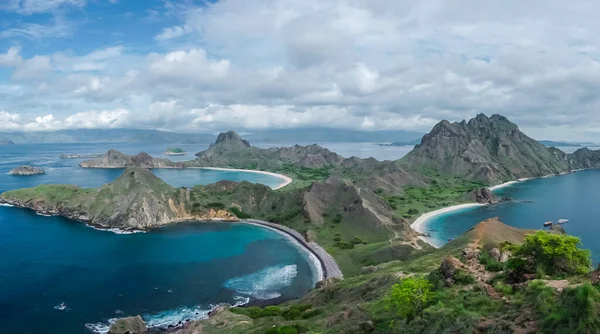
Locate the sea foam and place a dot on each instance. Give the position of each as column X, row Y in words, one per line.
column 266, row 283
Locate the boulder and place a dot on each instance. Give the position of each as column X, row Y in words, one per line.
column 129, row 325
column 469, row 253
column 449, row 266
column 505, row 256
column 368, row 270
column 495, row 254
column 331, row 281
column 366, row 326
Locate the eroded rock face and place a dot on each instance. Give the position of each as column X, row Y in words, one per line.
column 484, row 196
column 26, row 171
column 129, row 325
column 450, row 266
column 469, row 253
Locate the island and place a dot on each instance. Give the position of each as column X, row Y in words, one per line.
column 175, row 151
column 26, row 171
column 5, row 141
column 82, row 156
column 493, row 278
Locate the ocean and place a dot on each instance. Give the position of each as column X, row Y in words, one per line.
column 572, row 196
column 59, row 276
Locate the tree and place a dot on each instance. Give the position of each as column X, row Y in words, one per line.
column 553, row 254
column 409, row 297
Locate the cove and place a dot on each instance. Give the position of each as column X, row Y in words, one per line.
column 167, row 275
column 572, row 196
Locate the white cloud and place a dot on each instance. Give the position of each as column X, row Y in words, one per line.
column 365, row 64
column 40, row 6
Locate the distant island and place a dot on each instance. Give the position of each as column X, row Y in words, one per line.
column 402, row 143
column 175, row 151
column 4, row 141
column 82, row 156
column 26, row 171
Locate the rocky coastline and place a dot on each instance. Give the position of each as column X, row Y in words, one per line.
column 26, row 171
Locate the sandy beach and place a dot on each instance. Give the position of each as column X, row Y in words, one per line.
column 420, row 225
column 286, row 179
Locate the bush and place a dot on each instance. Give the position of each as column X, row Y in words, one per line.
column 337, row 218
column 356, row 241
column 216, row 206
column 462, row 277
column 409, row 297
column 379, row 191
column 412, row 211
column 271, row 311
column 344, row 245
column 311, row 313
column 490, row 263
column 553, row 254
column 288, row 329
column 337, row 238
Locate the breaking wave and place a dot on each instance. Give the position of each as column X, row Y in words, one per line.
column 266, row 283
column 169, row 319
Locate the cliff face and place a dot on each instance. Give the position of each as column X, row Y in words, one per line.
column 116, row 159
column 487, row 149
column 230, row 150
column 136, row 200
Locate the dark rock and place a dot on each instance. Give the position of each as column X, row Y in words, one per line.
column 129, row 325
column 484, row 196
column 557, row 229
column 495, row 254
column 449, row 266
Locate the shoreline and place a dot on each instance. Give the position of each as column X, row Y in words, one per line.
column 286, row 179
column 323, row 262
column 420, row 224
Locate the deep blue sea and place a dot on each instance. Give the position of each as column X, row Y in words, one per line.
column 167, row 275
column 574, row 196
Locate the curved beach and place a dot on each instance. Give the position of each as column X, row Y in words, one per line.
column 324, row 263
column 286, row 179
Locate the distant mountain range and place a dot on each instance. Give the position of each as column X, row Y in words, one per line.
column 156, row 136
column 550, row 143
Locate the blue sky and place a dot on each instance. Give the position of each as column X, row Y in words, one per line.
column 199, row 66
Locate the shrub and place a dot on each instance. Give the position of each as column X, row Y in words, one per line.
column 379, row 191
column 490, row 263
column 311, row 313
column 409, row 297
column 292, row 314
column 288, row 329
column 216, row 205
column 412, row 211
column 337, row 218
column 344, row 245
column 462, row 277
column 356, row 241
column 271, row 311
column 553, row 254
column 337, row 238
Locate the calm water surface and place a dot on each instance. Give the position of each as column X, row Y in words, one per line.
column 168, row 275
column 573, row 196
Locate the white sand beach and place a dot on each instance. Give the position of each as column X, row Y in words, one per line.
column 420, row 225
column 286, row 179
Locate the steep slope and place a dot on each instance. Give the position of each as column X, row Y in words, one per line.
column 586, row 158
column 136, row 200
column 116, row 159
column 486, row 149
column 230, row 150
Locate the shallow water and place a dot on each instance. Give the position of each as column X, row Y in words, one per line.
column 572, row 196
column 166, row 275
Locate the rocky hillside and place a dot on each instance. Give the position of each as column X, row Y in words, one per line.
column 230, row 150
column 492, row 150
column 137, row 200
column 116, row 159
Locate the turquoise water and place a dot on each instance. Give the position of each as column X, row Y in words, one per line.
column 573, row 196
column 167, row 275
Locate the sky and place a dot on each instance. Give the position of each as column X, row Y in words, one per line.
column 201, row 66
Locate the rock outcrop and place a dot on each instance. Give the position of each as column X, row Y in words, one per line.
column 484, row 196
column 116, row 159
column 26, row 171
column 129, row 325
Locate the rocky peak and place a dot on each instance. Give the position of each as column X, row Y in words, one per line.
column 231, row 136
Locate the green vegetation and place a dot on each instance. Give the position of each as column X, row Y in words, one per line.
column 551, row 254
column 241, row 215
column 175, row 150
column 409, row 297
